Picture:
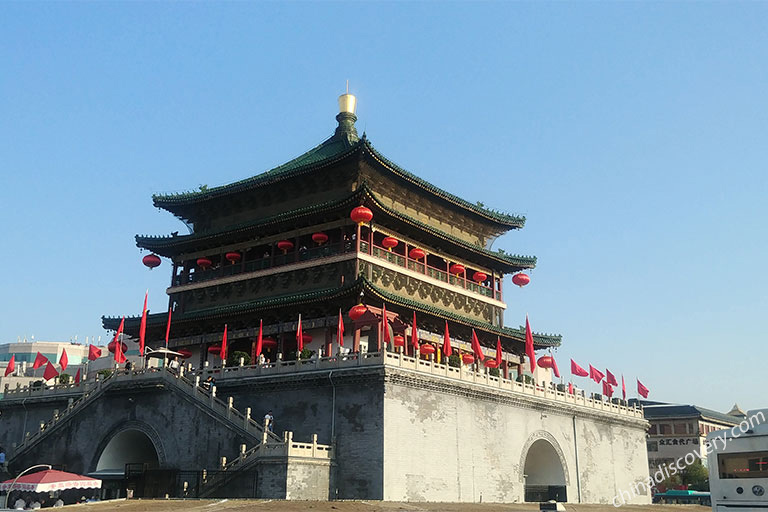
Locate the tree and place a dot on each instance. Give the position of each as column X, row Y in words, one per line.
column 236, row 358
column 696, row 476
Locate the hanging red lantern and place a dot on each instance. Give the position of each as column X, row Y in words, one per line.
column 546, row 362
column 319, row 238
column 389, row 242
column 416, row 253
column 479, row 277
column 490, row 363
column 233, row 257
column 457, row 268
column 111, row 347
column 214, row 349
column 268, row 343
column 427, row 349
column 361, row 215
column 306, row 337
column 151, row 261
column 185, row 354
column 521, row 279
column 285, row 245
column 204, row 263
column 357, row 311
column 399, row 341
column 468, row 358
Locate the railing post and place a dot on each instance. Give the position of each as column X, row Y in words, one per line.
column 213, row 395
column 242, row 451
column 70, row 403
column 181, row 370
column 223, row 463
column 314, row 445
column 197, row 384
column 230, row 406
column 247, row 417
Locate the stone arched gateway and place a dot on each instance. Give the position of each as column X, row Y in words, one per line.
column 544, row 472
column 129, row 442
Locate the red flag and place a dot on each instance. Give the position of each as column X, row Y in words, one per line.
column 498, row 352
column 340, row 330
column 578, row 370
column 595, row 374
column 623, row 388
column 40, row 360
column 555, row 369
column 447, row 349
column 415, row 336
column 119, row 356
column 607, row 389
column 385, row 324
column 63, row 360
column 609, row 378
column 77, row 376
column 479, row 356
column 642, row 390
column 168, row 327
column 299, row 336
column 11, row 366
column 143, row 326
column 94, row 352
column 570, row 388
column 223, row 351
column 259, row 340
column 529, row 344
column 50, row 372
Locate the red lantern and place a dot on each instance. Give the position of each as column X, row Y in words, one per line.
column 285, row 245
column 457, row 268
column 479, row 277
column 521, row 279
column 111, row 347
column 468, row 358
column 204, row 263
column 151, row 261
column 185, row 353
column 399, row 341
column 416, row 253
column 233, row 257
column 214, row 349
column 268, row 343
column 490, row 363
column 427, row 349
column 319, row 238
column 357, row 311
column 389, row 242
column 361, row 215
column 546, row 362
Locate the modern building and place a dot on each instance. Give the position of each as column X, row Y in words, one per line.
column 676, row 430
column 340, row 235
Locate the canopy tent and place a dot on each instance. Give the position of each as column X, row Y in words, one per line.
column 162, row 353
column 50, row 480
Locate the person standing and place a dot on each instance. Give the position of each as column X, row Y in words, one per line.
column 269, row 421
column 2, row 458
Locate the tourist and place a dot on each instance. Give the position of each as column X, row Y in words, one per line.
column 174, row 364
column 2, row 458
column 20, row 504
column 269, row 421
column 208, row 383
column 59, row 503
column 128, row 366
column 35, row 505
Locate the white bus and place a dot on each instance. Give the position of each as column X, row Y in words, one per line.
column 738, row 465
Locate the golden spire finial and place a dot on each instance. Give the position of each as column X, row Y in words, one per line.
column 347, row 102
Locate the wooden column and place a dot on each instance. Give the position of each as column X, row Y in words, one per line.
column 253, row 352
column 328, row 350
column 356, row 340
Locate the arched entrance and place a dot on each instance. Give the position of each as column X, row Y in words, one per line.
column 544, row 473
column 127, row 447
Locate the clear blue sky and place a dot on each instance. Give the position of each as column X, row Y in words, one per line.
column 632, row 136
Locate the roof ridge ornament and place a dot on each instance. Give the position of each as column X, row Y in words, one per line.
column 346, row 117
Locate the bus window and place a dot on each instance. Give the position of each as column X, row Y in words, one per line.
column 743, row 465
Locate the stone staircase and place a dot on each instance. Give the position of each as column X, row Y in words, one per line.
column 191, row 389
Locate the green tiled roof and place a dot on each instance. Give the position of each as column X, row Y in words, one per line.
column 163, row 244
column 332, row 150
column 349, row 290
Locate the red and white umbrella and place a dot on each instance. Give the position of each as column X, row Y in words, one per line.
column 50, row 480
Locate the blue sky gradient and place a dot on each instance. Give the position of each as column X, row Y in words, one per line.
column 631, row 135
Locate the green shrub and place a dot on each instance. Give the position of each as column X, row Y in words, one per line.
column 454, row 360
column 236, row 358
column 494, row 372
column 64, row 378
column 105, row 373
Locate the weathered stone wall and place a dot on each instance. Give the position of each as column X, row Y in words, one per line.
column 304, row 405
column 307, row 479
column 449, row 441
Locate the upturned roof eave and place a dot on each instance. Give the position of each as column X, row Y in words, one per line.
column 349, row 290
